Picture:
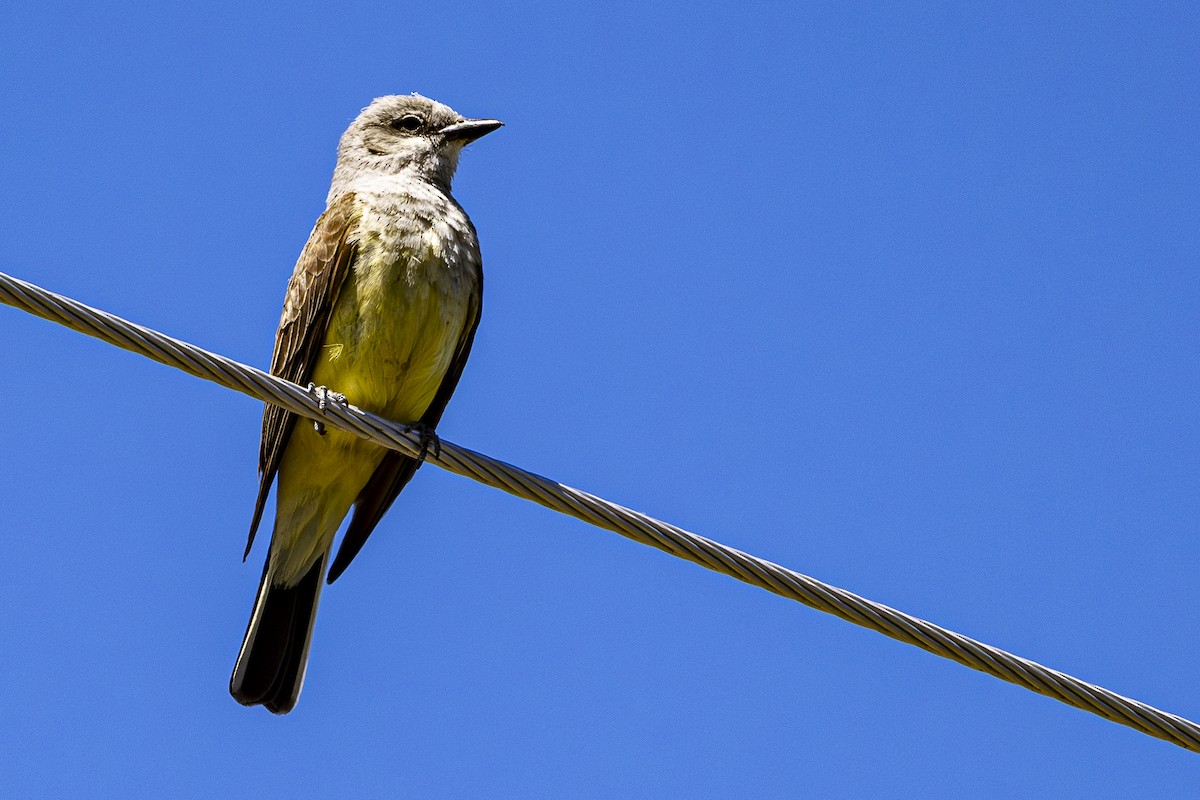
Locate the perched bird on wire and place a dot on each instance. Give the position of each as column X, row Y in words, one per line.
column 381, row 309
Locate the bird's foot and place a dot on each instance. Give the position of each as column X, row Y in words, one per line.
column 324, row 398
column 429, row 441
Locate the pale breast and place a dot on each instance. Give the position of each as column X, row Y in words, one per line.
column 405, row 306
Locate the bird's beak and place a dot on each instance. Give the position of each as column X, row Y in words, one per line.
column 470, row 129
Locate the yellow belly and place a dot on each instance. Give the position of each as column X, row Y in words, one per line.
column 390, row 341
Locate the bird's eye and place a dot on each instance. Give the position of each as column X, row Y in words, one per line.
column 409, row 123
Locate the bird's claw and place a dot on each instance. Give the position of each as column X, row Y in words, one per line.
column 429, row 441
column 324, row 398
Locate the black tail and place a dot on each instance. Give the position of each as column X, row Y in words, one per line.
column 270, row 667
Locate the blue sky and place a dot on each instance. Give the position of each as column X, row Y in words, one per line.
column 905, row 299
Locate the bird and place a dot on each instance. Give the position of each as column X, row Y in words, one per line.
column 380, row 311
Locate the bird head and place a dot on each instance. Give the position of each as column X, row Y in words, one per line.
column 400, row 134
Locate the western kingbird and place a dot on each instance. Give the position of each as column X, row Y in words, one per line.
column 382, row 307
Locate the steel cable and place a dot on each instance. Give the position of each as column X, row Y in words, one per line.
column 603, row 514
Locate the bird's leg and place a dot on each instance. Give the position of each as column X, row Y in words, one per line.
column 324, row 398
column 429, row 440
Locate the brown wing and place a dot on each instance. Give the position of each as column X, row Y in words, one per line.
column 311, row 294
column 395, row 470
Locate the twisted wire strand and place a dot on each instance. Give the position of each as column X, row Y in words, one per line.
column 603, row 514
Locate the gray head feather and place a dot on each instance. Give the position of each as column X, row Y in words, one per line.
column 398, row 136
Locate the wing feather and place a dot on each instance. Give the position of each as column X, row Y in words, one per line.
column 311, row 295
